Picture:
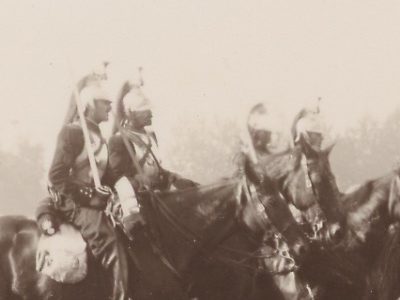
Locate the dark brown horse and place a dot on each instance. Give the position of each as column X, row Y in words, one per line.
column 186, row 227
column 304, row 178
column 289, row 176
column 216, row 230
column 213, row 243
column 233, row 254
column 364, row 265
column 307, row 183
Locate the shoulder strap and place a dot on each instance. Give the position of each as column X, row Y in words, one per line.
column 147, row 146
column 130, row 150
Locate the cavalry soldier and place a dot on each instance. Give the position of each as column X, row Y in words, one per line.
column 264, row 130
column 134, row 156
column 74, row 195
column 262, row 136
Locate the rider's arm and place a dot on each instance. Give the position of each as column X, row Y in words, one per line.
column 46, row 216
column 120, row 164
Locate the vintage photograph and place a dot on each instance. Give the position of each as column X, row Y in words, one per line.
column 200, row 150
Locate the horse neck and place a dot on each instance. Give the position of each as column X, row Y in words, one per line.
column 317, row 187
column 191, row 222
column 294, row 182
column 371, row 203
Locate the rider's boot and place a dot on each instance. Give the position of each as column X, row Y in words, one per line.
column 116, row 264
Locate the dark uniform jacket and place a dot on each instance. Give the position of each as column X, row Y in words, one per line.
column 121, row 162
column 69, row 174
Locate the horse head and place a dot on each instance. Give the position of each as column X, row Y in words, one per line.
column 304, row 178
column 325, row 189
column 267, row 211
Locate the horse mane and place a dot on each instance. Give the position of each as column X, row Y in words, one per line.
column 193, row 212
column 203, row 201
column 358, row 195
column 186, row 223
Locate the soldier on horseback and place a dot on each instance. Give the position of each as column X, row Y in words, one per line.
column 74, row 195
column 261, row 138
column 134, row 156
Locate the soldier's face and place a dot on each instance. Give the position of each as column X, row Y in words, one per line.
column 142, row 118
column 261, row 139
column 315, row 140
column 101, row 110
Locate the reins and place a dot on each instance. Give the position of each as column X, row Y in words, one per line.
column 160, row 207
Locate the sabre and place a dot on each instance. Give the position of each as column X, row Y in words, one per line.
column 86, row 137
column 128, row 146
column 126, row 88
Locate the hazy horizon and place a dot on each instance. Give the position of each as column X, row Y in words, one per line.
column 204, row 61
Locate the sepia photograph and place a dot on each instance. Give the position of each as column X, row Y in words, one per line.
column 200, row 150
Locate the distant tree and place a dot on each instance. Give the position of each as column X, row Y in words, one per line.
column 367, row 151
column 21, row 179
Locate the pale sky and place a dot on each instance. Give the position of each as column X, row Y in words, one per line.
column 203, row 57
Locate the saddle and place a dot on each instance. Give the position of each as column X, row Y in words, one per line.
column 63, row 256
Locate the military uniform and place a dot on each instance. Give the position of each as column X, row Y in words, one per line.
column 134, row 157
column 72, row 182
column 145, row 147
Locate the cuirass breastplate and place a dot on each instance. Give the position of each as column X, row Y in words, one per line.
column 150, row 163
column 81, row 172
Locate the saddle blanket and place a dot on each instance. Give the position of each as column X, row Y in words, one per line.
column 63, row 256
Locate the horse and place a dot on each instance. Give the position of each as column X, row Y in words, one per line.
column 227, row 244
column 212, row 244
column 300, row 179
column 309, row 188
column 307, row 183
column 216, row 212
column 363, row 263
column 286, row 172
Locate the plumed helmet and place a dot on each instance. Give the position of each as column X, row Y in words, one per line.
column 312, row 123
column 135, row 100
column 90, row 87
column 130, row 98
column 260, row 119
column 309, row 121
column 91, row 93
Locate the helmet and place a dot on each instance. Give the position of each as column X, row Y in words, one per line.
column 310, row 123
column 265, row 129
column 135, row 101
column 89, row 90
column 309, row 126
column 260, row 119
column 93, row 92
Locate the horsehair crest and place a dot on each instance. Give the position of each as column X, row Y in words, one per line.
column 140, row 81
column 100, row 71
